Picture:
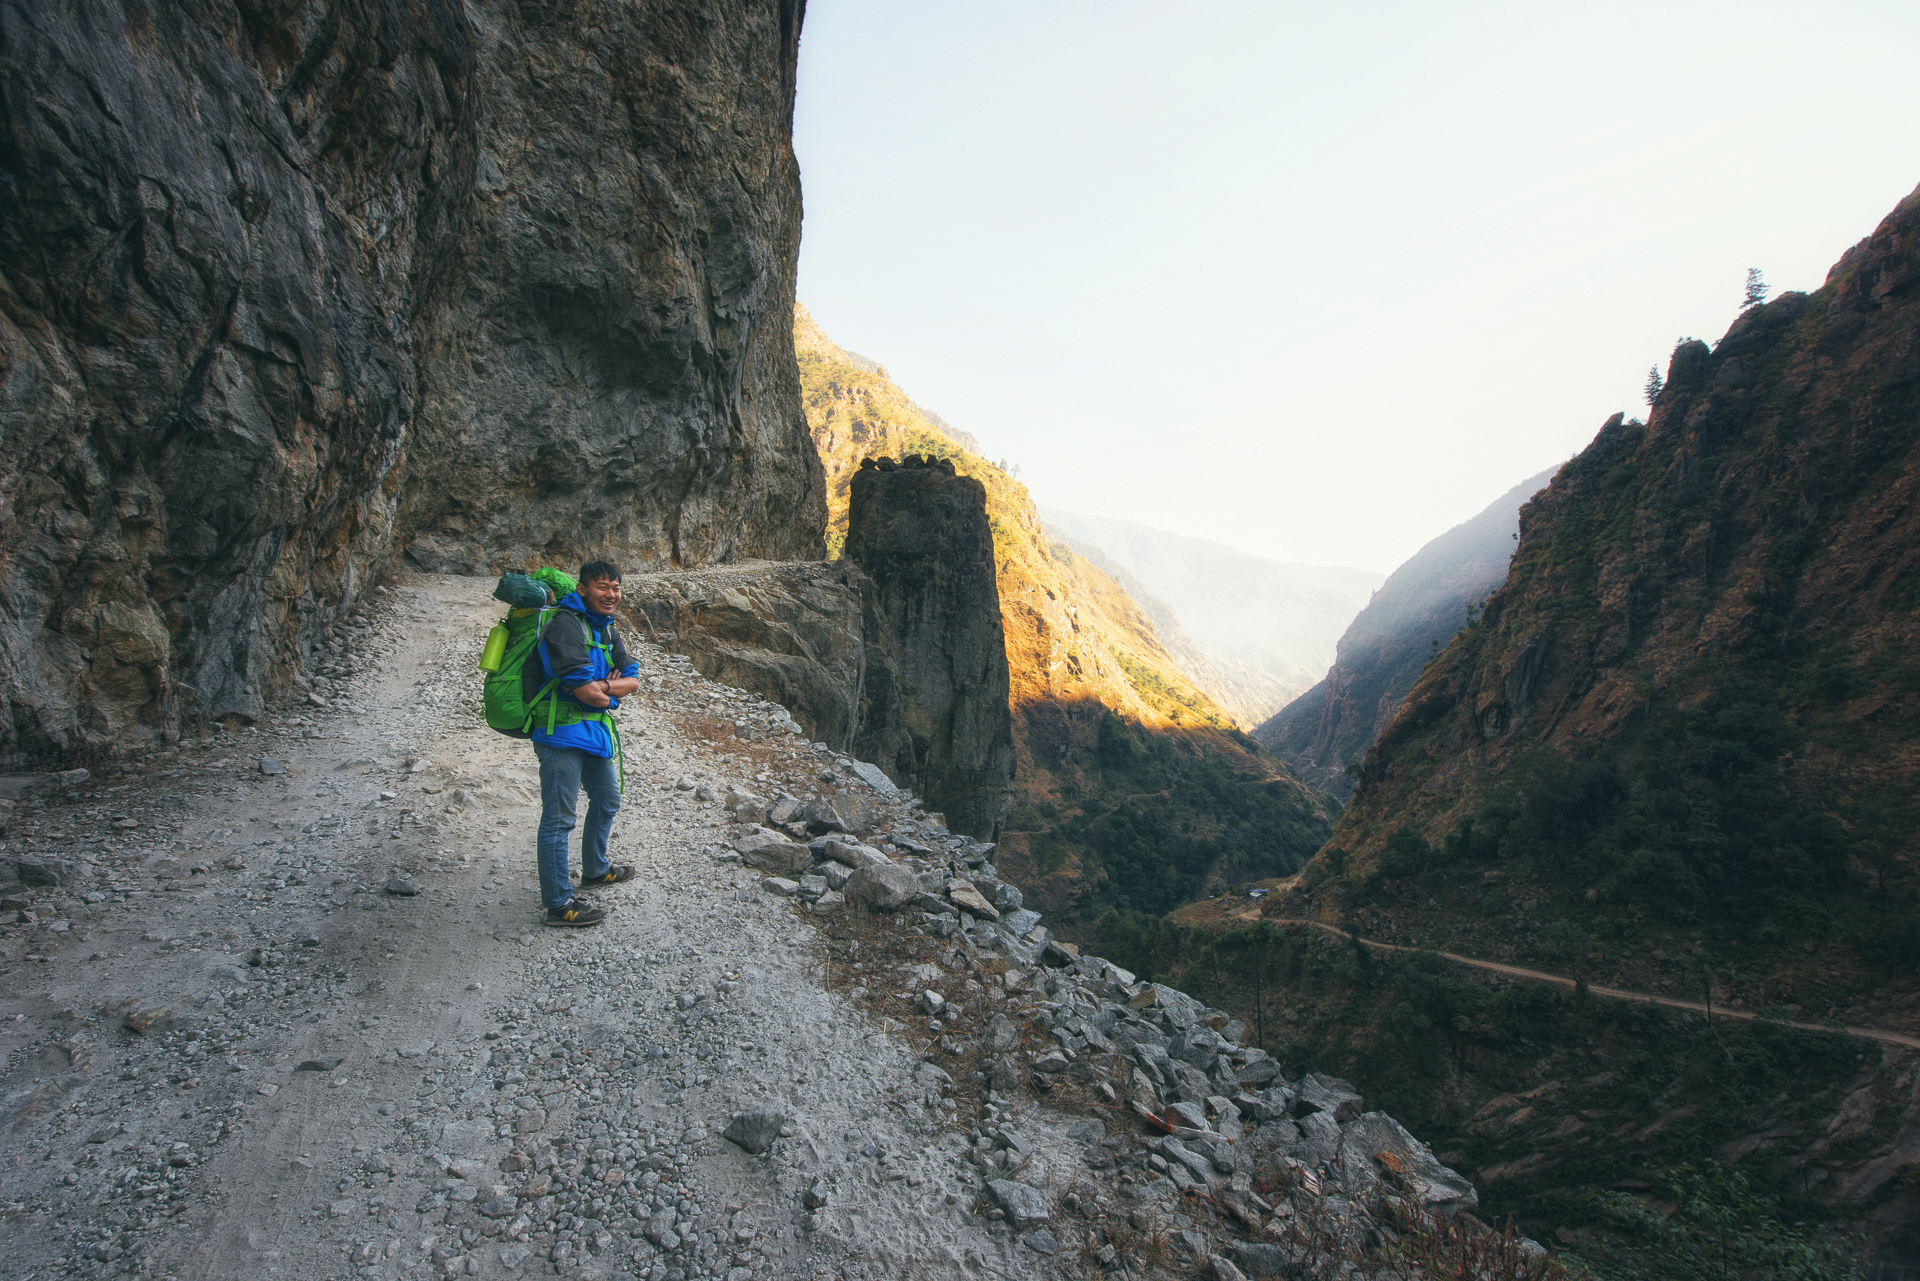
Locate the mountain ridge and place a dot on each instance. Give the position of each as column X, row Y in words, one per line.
column 1182, row 648
column 1268, row 627
column 1420, row 607
column 1675, row 753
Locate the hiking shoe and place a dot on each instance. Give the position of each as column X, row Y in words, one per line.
column 575, row 913
column 616, row 873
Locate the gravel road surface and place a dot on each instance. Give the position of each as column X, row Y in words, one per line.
column 281, row 1005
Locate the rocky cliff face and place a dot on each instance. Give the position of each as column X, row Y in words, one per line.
column 1711, row 611
column 1416, row 612
column 615, row 371
column 285, row 289
column 934, row 712
column 865, row 669
column 792, row 632
column 892, row 653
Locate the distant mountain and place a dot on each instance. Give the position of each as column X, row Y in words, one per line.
column 965, row 439
column 1267, row 626
column 1420, row 607
column 1173, row 637
column 1133, row 789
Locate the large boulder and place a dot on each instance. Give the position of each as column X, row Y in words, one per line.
column 1375, row 1147
column 1260, row 1072
column 885, row 886
column 756, row 1129
column 770, row 851
column 1025, row 1206
column 852, row 853
column 968, row 898
column 44, row 870
column 1262, row 1260
column 1313, row 1140
column 1317, row 1093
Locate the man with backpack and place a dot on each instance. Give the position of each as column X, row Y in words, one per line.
column 587, row 672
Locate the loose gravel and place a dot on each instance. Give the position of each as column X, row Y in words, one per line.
column 291, row 1011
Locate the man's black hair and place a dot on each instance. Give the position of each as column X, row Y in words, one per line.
column 599, row 569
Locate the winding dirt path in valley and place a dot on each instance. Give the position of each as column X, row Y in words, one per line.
column 1618, row 994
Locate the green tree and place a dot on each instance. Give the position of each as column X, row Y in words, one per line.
column 1564, row 941
column 1720, row 1229
column 1756, row 289
column 1127, row 938
column 1654, row 384
column 1406, row 853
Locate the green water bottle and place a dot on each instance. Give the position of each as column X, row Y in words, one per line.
column 496, row 648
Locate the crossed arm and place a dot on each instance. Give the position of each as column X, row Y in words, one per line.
column 567, row 653
column 602, row 693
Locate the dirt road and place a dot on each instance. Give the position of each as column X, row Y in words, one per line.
column 337, row 1078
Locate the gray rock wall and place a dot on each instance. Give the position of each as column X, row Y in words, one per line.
column 286, row 289
column 829, row 644
column 790, row 633
column 934, row 711
column 613, row 372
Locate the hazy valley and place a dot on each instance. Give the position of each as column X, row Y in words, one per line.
column 1415, row 613
column 1269, row 628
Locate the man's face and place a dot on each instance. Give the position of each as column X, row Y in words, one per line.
column 601, row 594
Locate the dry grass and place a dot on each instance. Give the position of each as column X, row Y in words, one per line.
column 793, row 765
column 1390, row 1238
column 866, row 949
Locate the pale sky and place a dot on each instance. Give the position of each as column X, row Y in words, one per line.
column 1321, row 281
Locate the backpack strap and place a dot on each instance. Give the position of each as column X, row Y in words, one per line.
column 619, row 748
column 595, row 718
column 601, row 641
column 547, row 690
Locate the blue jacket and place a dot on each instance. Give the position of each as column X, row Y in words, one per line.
column 578, row 647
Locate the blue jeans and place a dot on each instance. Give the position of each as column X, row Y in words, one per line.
column 562, row 771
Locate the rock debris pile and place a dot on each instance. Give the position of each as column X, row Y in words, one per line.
column 306, row 1024
column 1139, row 1101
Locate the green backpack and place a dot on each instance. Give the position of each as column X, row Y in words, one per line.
column 513, row 691
column 508, row 703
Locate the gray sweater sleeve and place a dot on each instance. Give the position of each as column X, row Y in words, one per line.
column 566, row 644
